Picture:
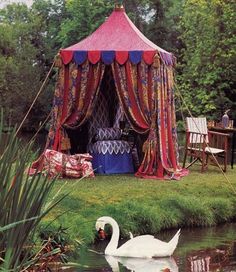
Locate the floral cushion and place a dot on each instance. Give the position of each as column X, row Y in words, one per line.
column 105, row 134
column 73, row 166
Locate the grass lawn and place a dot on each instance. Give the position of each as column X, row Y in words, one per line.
column 144, row 206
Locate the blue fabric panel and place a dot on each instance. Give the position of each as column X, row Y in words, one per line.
column 80, row 57
column 135, row 56
column 108, row 57
column 113, row 163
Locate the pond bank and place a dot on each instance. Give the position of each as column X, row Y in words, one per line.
column 144, row 206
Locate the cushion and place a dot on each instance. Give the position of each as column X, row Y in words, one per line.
column 105, row 134
column 72, row 166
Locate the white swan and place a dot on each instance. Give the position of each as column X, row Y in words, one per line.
column 145, row 246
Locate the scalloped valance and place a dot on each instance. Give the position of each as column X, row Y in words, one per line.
column 109, row 56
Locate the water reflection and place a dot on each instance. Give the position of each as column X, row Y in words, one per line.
column 217, row 259
column 222, row 258
column 142, row 265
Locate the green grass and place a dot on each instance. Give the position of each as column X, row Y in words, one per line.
column 144, row 206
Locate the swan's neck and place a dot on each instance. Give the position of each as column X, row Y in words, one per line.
column 112, row 246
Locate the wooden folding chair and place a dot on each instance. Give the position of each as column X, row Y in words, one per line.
column 203, row 145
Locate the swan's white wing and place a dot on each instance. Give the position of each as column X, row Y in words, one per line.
column 143, row 238
column 145, row 246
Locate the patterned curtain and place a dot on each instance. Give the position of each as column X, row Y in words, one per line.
column 75, row 96
column 146, row 95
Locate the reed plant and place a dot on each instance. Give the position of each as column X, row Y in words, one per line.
column 24, row 201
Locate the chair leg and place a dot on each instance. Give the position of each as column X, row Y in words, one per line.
column 192, row 162
column 207, row 159
column 225, row 162
column 185, row 157
column 204, row 161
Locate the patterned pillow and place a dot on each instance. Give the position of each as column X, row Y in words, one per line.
column 104, row 134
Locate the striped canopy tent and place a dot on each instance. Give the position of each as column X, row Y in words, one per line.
column 143, row 75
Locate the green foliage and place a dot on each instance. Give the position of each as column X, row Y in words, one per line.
column 21, row 68
column 222, row 209
column 157, row 28
column 83, row 17
column 23, row 201
column 208, row 67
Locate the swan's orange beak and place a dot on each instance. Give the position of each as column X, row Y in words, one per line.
column 101, row 234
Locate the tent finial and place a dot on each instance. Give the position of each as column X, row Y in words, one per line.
column 119, row 5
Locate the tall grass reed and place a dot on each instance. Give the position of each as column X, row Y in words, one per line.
column 24, row 201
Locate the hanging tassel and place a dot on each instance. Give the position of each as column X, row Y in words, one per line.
column 65, row 144
column 156, row 61
column 58, row 61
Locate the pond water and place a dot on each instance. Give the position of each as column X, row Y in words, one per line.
column 199, row 250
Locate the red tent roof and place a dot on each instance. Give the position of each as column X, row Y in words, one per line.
column 117, row 38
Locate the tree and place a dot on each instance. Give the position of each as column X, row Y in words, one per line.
column 82, row 18
column 208, row 67
column 19, row 71
column 27, row 48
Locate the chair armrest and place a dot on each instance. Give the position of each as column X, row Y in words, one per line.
column 218, row 139
column 198, row 133
column 218, row 133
